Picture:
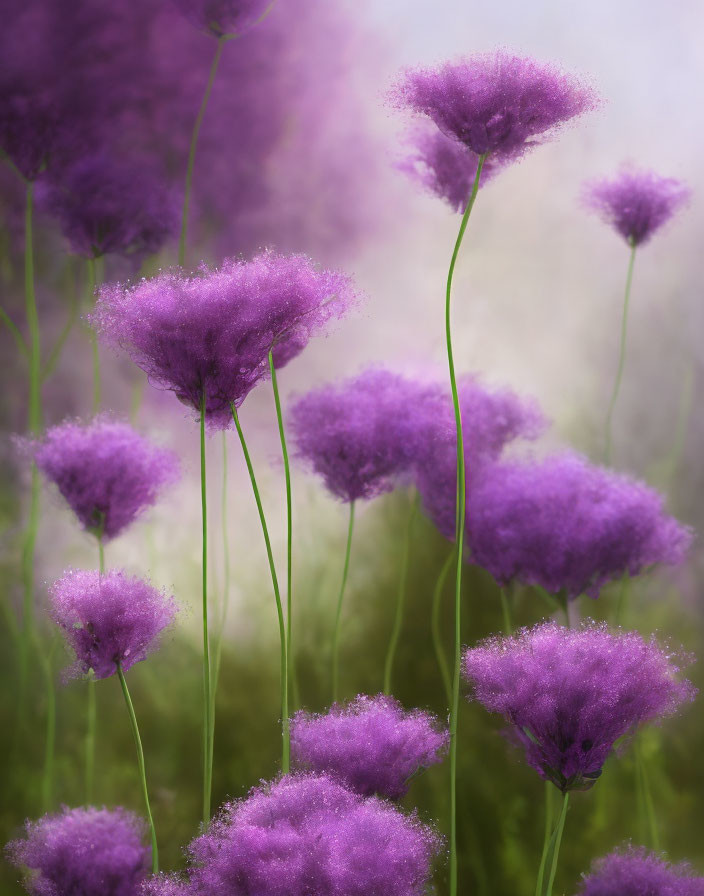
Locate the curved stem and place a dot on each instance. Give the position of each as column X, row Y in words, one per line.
column 286, row 746
column 459, row 533
column 435, row 627
column 207, row 725
column 556, row 842
column 338, row 612
column 140, row 763
column 621, row 357
column 401, row 597
column 506, row 610
column 192, row 149
column 15, row 333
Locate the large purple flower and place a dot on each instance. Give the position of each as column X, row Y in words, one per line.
column 568, row 526
column 636, row 872
column 636, row 203
column 220, row 17
column 371, row 745
column 83, row 852
column 109, row 619
column 569, row 694
column 209, row 335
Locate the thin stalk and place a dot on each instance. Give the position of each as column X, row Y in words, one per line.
column 56, row 351
column 621, row 356
column 622, row 599
column 400, row 597
column 285, row 738
column 140, row 763
column 207, row 725
column 648, row 804
column 15, row 333
column 226, row 577
column 459, row 533
column 435, row 627
column 91, row 722
column 338, row 612
column 556, row 842
column 546, row 838
column 506, row 610
column 192, row 149
column 91, row 281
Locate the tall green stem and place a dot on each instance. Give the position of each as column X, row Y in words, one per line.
column 546, row 838
column 435, row 627
column 459, row 533
column 400, row 597
column 192, row 149
column 338, row 612
column 226, row 582
column 285, row 738
column 621, row 356
column 142, row 770
column 556, row 842
column 92, row 710
column 207, row 725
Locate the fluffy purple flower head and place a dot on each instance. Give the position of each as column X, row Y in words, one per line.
column 568, row 526
column 636, row 204
column 636, row 872
column 570, row 694
column 106, row 471
column 221, row 17
column 108, row 207
column 371, row 745
column 83, row 852
column 210, row 334
column 495, row 103
column 306, row 834
column 109, row 620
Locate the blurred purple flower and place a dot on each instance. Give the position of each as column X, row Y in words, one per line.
column 109, row 207
column 371, row 745
column 83, row 852
column 109, row 620
column 495, row 103
column 569, row 694
column 305, row 834
column 636, row 204
column 106, row 471
column 636, row 872
column 211, row 333
column 568, row 526
column 221, row 17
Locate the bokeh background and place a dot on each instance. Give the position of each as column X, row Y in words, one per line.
column 299, row 152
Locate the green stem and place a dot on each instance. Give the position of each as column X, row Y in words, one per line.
column 546, row 838
column 142, row 770
column 207, row 725
column 286, row 745
column 401, row 596
column 50, row 736
column 15, row 333
column 91, row 719
column 226, row 582
column 435, row 627
column 622, row 355
column 622, row 599
column 506, row 610
column 648, row 804
column 56, row 351
column 192, row 149
column 459, row 532
column 556, row 842
column 91, row 281
column 338, row 612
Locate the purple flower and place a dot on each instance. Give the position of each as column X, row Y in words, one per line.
column 107, row 207
column 305, row 834
column 371, row 745
column 109, row 620
column 83, row 852
column 495, row 103
column 220, row 17
column 636, row 872
column 106, row 471
column 569, row 694
column 210, row 334
column 636, row 203
column 568, row 526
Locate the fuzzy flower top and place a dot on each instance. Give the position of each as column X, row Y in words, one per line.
column 568, row 526
column 636, row 872
column 305, row 834
column 371, row 745
column 495, row 103
column 569, row 694
column 221, row 17
column 83, row 852
column 108, row 207
column 210, row 334
column 636, row 204
column 109, row 620
column 106, row 471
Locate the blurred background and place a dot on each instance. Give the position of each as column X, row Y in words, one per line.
column 299, row 152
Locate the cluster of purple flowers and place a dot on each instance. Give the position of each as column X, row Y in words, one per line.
column 635, row 872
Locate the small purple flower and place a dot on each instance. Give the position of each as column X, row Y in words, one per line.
column 305, row 834
column 108, row 207
column 371, row 745
column 210, row 334
column 221, row 17
column 495, row 103
column 569, row 694
column 636, row 872
column 83, row 852
column 106, row 471
column 636, row 204
column 109, row 620
column 568, row 526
